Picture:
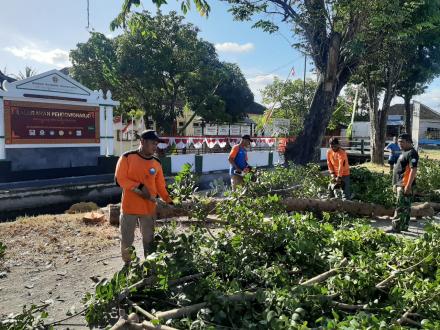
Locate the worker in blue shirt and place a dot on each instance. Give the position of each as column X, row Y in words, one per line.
column 395, row 152
column 238, row 160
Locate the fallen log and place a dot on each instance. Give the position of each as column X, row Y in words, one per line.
column 420, row 210
column 354, row 208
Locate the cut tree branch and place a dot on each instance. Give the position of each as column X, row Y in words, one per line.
column 386, row 282
column 324, row 276
column 187, row 310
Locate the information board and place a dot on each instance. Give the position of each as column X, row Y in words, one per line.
column 44, row 123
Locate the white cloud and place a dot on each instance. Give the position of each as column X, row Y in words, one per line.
column 257, row 83
column 431, row 98
column 57, row 57
column 233, row 47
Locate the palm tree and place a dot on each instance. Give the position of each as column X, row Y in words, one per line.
column 28, row 72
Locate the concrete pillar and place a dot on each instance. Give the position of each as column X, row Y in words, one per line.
column 102, row 129
column 110, row 132
column 2, row 130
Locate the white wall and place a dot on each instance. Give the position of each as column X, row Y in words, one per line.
column 424, row 125
column 277, row 158
column 219, row 162
column 324, row 153
column 215, row 162
column 177, row 161
column 258, row 158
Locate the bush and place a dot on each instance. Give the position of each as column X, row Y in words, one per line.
column 371, row 187
column 262, row 250
column 428, row 179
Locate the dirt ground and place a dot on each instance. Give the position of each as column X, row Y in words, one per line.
column 57, row 259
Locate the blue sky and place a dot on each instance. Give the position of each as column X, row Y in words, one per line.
column 41, row 33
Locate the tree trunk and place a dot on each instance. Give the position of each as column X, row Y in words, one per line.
column 407, row 99
column 375, row 123
column 313, row 205
column 306, row 147
column 379, row 118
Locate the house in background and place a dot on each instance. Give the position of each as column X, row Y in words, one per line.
column 429, row 129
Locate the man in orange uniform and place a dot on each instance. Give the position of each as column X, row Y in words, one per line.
column 337, row 162
column 141, row 178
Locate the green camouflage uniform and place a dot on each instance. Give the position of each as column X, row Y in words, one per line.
column 407, row 160
column 403, row 210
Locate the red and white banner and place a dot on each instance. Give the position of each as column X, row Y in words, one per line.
column 197, row 142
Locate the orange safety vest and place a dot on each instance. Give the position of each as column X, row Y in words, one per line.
column 337, row 162
column 134, row 170
column 282, row 144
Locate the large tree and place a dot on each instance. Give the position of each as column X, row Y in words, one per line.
column 423, row 66
column 332, row 34
column 383, row 69
column 291, row 99
column 158, row 65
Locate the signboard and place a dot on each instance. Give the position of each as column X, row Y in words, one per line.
column 281, row 125
column 245, row 130
column 44, row 123
column 197, row 131
column 53, row 82
column 235, row 130
column 223, row 130
column 210, row 129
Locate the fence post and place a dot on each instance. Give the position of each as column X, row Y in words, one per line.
column 199, row 164
column 362, row 146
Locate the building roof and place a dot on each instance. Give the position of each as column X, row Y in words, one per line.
column 4, row 77
column 426, row 113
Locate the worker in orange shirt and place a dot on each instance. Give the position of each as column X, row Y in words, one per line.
column 337, row 162
column 141, row 178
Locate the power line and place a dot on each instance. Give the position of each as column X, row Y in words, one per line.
column 88, row 15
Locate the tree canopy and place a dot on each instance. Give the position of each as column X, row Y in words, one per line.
column 291, row 100
column 158, row 65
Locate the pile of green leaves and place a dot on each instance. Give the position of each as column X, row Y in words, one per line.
column 428, row 179
column 371, row 187
column 31, row 318
column 268, row 253
column 184, row 185
column 309, row 180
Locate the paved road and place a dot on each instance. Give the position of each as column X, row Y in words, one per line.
column 77, row 180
